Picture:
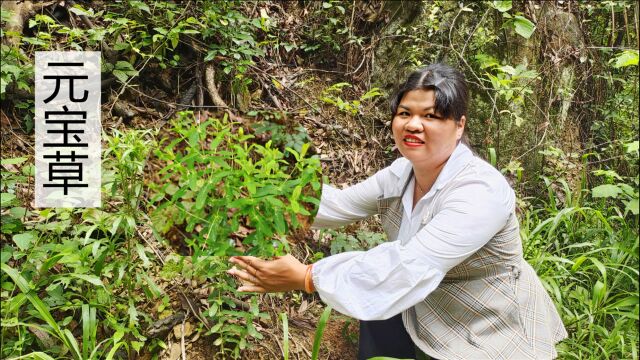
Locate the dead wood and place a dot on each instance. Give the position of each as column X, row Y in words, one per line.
column 209, row 78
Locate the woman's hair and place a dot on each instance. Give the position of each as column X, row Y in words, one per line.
column 448, row 83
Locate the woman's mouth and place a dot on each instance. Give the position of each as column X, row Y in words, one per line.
column 411, row 140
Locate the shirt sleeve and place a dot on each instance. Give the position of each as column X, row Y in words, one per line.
column 341, row 207
column 390, row 278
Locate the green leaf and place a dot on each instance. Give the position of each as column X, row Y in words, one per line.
column 143, row 255
column 6, row 199
column 24, row 240
column 598, row 292
column 600, row 266
column 631, row 147
column 137, row 345
column 523, row 26
column 34, row 355
column 42, row 309
column 89, row 328
column 120, row 75
column 18, row 212
column 492, row 156
column 626, row 58
column 88, row 278
column 133, row 314
column 502, row 5
column 632, row 206
column 279, row 222
column 114, row 349
column 140, row 6
column 285, row 330
column 202, row 197
column 627, row 301
column 606, row 191
column 13, row 161
column 322, row 323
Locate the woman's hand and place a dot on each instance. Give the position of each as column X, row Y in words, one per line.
column 285, row 273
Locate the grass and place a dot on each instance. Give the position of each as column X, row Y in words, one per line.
column 587, row 259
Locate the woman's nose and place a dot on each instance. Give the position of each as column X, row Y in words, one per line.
column 414, row 124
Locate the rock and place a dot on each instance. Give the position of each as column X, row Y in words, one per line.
column 175, row 351
column 177, row 330
column 188, row 329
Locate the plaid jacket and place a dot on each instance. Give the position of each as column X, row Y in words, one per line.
column 490, row 306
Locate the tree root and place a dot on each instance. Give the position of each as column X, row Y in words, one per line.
column 209, row 80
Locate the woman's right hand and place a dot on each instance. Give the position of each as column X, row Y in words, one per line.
column 285, row 273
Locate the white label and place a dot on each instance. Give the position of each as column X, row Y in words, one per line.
column 68, row 128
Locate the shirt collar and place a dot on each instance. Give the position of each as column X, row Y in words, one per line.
column 458, row 160
column 460, row 157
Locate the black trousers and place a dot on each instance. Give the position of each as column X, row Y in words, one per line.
column 385, row 338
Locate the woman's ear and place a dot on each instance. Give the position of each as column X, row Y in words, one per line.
column 460, row 127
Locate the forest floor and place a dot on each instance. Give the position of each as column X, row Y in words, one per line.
column 349, row 149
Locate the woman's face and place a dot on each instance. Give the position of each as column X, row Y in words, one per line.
column 420, row 134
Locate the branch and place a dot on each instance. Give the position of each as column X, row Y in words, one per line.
column 209, row 80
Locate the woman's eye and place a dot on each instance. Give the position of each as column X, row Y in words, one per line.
column 404, row 113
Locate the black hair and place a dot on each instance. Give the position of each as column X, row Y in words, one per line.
column 448, row 83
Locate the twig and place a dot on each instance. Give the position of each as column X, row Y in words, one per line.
column 85, row 20
column 283, row 85
column 493, row 101
column 193, row 309
column 209, row 78
column 153, row 248
column 544, row 134
column 359, row 66
column 182, row 347
column 275, row 100
column 473, row 31
column 277, row 342
column 124, row 86
column 174, row 104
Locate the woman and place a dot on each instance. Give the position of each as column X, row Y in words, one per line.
column 451, row 280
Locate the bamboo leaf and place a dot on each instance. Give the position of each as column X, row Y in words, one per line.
column 523, row 26
column 285, row 330
column 322, row 323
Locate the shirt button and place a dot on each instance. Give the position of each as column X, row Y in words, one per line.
column 425, row 219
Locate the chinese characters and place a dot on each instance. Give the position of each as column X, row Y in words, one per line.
column 68, row 129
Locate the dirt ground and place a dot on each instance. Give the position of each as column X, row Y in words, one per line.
column 339, row 342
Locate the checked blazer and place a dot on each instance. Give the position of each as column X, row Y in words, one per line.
column 490, row 306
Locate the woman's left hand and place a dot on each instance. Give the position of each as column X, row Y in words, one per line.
column 285, row 273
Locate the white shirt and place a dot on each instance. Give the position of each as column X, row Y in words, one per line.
column 390, row 278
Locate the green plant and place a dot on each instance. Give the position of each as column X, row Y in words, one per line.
column 616, row 188
column 58, row 263
column 43, row 311
column 330, row 34
column 16, row 69
column 74, row 266
column 285, row 331
column 219, row 186
column 281, row 135
column 331, row 95
column 520, row 24
column 16, row 73
column 362, row 240
column 317, row 338
column 587, row 258
column 511, row 84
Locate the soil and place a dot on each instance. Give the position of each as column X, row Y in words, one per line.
column 339, row 342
